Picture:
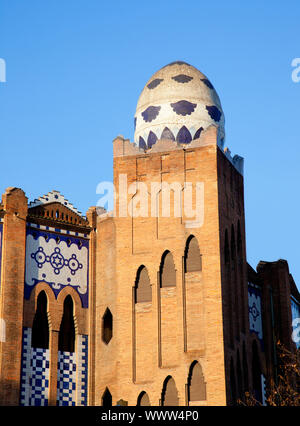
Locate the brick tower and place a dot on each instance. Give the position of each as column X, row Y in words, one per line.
column 171, row 302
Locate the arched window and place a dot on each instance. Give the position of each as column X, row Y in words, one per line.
column 143, row 292
column 106, row 398
column 232, row 243
column 40, row 326
column 196, row 383
column 143, row 399
column 169, row 395
column 107, row 326
column 167, row 271
column 66, row 338
column 192, row 256
column 226, row 248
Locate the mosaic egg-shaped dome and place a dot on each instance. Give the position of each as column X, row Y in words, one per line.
column 177, row 103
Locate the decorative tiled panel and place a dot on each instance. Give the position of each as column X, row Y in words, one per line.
column 34, row 373
column 72, row 374
column 59, row 260
column 66, row 378
column 255, row 311
column 295, row 306
column 82, row 371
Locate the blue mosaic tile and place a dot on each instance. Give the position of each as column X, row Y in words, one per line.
column 150, row 113
column 154, row 83
column 152, row 139
column 167, row 134
column 184, row 136
column 182, row 78
column 198, row 133
column 207, row 83
column 142, row 143
column 214, row 113
column 183, row 107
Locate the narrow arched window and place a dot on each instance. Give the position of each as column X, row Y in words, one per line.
column 232, row 243
column 143, row 399
column 196, row 383
column 40, row 326
column 143, row 292
column 169, row 395
column 167, row 271
column 106, row 398
column 192, row 256
column 107, row 326
column 66, row 338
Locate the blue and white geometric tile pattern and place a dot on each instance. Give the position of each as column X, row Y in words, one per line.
column 295, row 307
column 82, row 371
column 255, row 313
column 72, row 374
column 59, row 260
column 66, row 378
column 34, row 373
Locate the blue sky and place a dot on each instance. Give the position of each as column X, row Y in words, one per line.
column 75, row 70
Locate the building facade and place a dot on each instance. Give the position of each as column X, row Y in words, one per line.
column 153, row 303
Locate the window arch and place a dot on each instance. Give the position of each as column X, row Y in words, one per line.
column 196, row 383
column 40, row 326
column 192, row 256
column 66, row 338
column 143, row 292
column 169, row 395
column 106, row 398
column 107, row 326
column 167, row 270
column 143, row 399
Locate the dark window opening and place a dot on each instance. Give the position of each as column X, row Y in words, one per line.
column 106, row 398
column 40, row 326
column 107, row 327
column 66, row 338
